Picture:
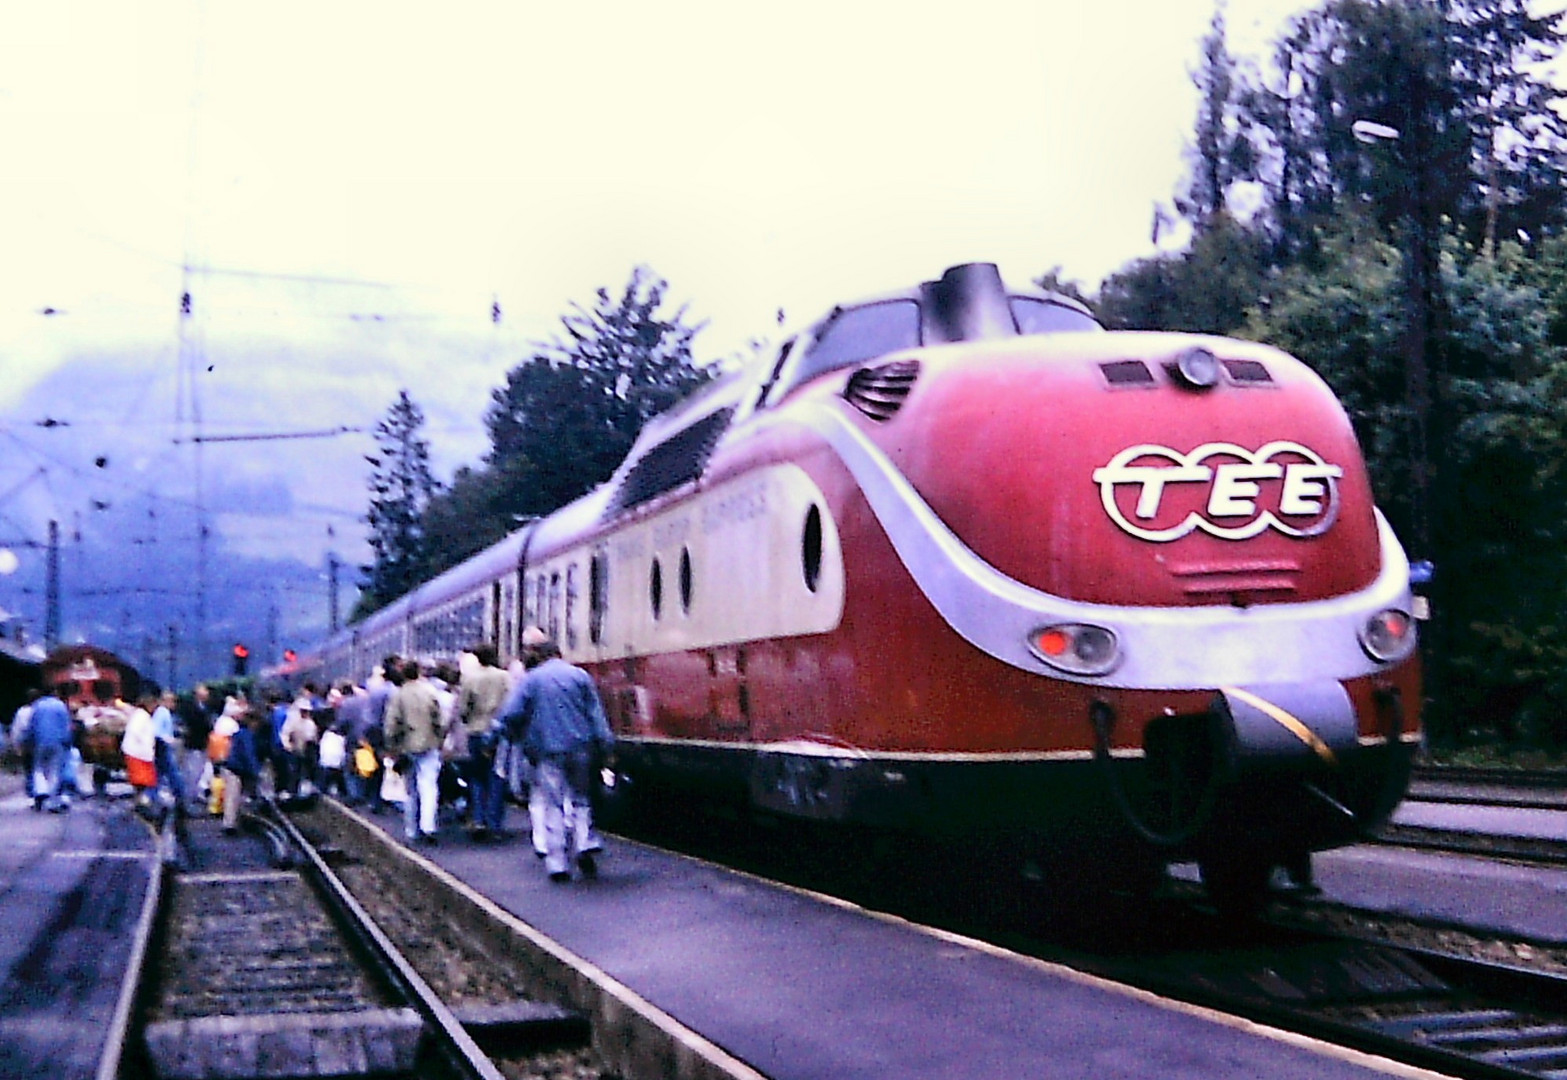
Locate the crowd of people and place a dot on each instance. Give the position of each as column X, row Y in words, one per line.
column 446, row 744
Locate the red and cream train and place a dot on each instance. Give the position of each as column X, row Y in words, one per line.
column 961, row 563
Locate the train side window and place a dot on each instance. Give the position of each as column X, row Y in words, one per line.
column 656, row 589
column 811, row 548
column 685, row 580
column 598, row 596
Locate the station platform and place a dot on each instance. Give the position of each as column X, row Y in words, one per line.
column 1527, row 822
column 1508, row 898
column 71, row 889
column 802, row 987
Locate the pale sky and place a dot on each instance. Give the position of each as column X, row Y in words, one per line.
column 367, row 177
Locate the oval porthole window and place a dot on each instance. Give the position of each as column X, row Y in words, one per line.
column 656, row 589
column 811, row 548
column 685, row 580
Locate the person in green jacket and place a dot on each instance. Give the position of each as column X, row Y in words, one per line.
column 415, row 726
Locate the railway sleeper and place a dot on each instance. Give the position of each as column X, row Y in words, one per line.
column 273, row 1046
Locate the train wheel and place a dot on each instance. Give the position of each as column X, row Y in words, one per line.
column 1236, row 885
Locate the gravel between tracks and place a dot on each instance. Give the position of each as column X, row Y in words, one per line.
column 1405, row 933
column 458, row 968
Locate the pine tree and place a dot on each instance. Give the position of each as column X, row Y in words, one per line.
column 401, row 487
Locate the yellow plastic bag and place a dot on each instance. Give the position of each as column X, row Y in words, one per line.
column 364, row 760
column 215, row 800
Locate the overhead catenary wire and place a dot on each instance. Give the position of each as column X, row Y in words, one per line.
column 266, row 436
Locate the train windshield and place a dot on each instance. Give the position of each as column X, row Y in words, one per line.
column 855, row 335
column 1034, row 316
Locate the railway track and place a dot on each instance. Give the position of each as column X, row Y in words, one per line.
column 1538, row 794
column 1522, row 781
column 1534, row 850
column 264, row 964
column 1459, row 1015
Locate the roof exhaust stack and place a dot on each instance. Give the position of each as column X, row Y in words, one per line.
column 969, row 303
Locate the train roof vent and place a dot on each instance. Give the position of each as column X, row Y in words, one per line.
column 879, row 391
column 677, row 460
column 1127, row 373
column 1247, row 371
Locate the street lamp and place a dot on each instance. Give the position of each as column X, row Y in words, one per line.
column 1417, row 278
column 1370, row 132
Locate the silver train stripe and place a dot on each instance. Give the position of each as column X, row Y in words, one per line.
column 804, row 748
column 1189, row 648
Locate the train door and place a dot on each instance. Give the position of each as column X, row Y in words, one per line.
column 729, row 699
column 508, row 615
column 572, row 607
column 492, row 632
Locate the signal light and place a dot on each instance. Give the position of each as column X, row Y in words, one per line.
column 241, row 659
column 1078, row 648
column 1388, row 635
column 289, row 656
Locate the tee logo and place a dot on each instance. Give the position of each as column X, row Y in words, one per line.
column 1223, row 489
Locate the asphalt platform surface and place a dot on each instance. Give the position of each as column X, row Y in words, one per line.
column 1506, row 897
column 71, row 889
column 805, row 988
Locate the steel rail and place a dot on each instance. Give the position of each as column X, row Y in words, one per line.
column 135, row 968
column 1304, row 1020
column 1518, row 779
column 463, row 1053
column 1535, row 851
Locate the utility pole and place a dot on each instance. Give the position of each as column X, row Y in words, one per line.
column 1419, row 280
column 272, row 620
column 331, row 575
column 52, row 590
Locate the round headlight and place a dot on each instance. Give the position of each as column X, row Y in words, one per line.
column 1077, row 648
column 1388, row 635
column 1198, row 368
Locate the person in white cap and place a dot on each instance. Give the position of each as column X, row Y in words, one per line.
column 556, row 713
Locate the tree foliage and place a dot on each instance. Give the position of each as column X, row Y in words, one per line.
column 570, row 412
column 1423, row 275
column 563, row 421
column 401, row 487
column 1205, row 289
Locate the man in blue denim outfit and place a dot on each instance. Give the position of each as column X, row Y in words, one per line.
column 556, row 713
column 51, row 740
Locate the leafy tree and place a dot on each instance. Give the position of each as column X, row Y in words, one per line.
column 568, row 414
column 401, row 486
column 1460, row 81
column 1206, row 289
column 1498, row 539
column 1516, row 135
column 462, row 519
column 1340, row 312
column 1052, row 281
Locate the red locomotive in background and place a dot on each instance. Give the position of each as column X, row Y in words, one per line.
column 963, row 564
